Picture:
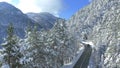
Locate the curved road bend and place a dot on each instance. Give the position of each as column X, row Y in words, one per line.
column 83, row 61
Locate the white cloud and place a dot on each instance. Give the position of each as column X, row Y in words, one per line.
column 51, row 6
column 28, row 6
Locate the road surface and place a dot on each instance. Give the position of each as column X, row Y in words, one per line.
column 83, row 61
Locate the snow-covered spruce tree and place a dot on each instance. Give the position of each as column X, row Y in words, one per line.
column 48, row 49
column 35, row 48
column 61, row 43
column 11, row 49
column 24, row 46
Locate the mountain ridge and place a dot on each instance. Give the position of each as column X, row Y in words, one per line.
column 45, row 19
column 10, row 14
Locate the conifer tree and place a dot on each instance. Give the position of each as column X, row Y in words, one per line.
column 61, row 42
column 11, row 48
column 34, row 41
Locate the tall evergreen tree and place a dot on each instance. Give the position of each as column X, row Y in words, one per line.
column 61, row 42
column 35, row 50
column 11, row 48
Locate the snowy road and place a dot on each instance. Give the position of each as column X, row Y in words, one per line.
column 83, row 61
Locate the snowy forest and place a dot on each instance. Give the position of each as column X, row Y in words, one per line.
column 38, row 49
column 53, row 42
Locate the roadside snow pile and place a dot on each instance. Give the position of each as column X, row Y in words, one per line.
column 89, row 42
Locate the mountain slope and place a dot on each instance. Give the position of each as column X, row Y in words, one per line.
column 46, row 20
column 10, row 14
column 100, row 22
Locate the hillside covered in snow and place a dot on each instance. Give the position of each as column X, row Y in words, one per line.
column 63, row 46
column 100, row 22
column 11, row 14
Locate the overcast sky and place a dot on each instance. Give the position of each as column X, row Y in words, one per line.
column 60, row 8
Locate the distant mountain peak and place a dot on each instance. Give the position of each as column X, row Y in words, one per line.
column 4, row 3
column 45, row 19
column 46, row 14
column 11, row 14
column 8, row 8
